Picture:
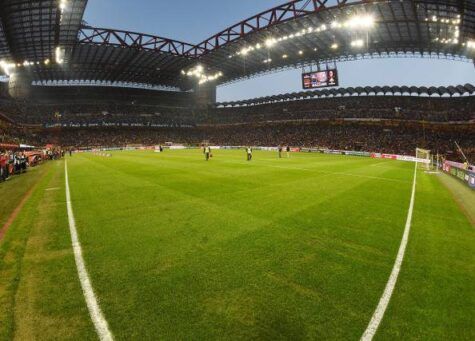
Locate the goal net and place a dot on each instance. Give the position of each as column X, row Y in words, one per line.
column 425, row 159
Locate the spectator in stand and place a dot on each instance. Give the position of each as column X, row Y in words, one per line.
column 4, row 157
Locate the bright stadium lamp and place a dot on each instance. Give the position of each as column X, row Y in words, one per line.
column 6, row 67
column 357, row 43
column 365, row 21
column 59, row 55
column 62, row 5
column 270, row 42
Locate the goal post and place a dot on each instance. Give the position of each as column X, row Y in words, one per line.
column 424, row 159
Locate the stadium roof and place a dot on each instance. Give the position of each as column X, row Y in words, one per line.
column 47, row 37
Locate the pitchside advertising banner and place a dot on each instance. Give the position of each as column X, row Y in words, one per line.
column 399, row 157
column 458, row 170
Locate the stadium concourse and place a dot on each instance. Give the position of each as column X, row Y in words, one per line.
column 330, row 213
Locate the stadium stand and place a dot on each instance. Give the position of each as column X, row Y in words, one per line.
column 81, row 86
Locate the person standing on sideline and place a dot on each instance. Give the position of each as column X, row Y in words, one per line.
column 280, row 152
column 207, row 152
column 288, row 151
column 249, row 153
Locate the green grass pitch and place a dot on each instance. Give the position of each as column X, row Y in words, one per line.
column 178, row 248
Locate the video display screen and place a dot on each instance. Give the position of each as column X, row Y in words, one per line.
column 320, row 79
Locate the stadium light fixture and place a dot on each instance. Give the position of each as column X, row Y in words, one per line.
column 364, row 21
column 63, row 4
column 300, row 52
column 334, row 46
column 199, row 72
column 6, row 67
column 244, row 51
column 59, row 55
column 285, row 56
column 357, row 43
column 270, row 42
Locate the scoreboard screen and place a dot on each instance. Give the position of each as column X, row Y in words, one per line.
column 320, row 79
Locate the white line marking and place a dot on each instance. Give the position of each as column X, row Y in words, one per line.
column 102, row 328
column 388, row 291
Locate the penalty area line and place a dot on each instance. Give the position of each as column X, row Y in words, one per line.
column 388, row 291
column 100, row 323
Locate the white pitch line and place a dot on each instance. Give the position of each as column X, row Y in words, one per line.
column 100, row 323
column 388, row 291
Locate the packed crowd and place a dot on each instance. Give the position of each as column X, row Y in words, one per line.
column 104, row 114
column 366, row 107
column 13, row 134
column 458, row 109
column 373, row 138
column 410, row 123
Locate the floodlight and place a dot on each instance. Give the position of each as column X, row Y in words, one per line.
column 357, row 43
column 270, row 42
column 6, row 67
column 365, row 21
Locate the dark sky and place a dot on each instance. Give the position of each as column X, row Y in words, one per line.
column 194, row 21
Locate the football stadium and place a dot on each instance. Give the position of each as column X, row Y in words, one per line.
column 157, row 189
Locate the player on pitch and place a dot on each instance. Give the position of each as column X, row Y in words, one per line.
column 207, row 153
column 249, row 153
